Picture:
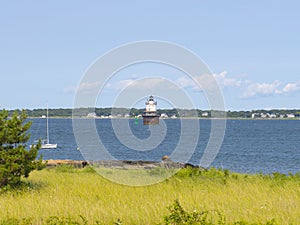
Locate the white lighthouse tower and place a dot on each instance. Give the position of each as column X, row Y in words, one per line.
column 150, row 116
column 151, row 104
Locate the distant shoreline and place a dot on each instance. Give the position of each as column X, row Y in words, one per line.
column 126, row 113
column 184, row 118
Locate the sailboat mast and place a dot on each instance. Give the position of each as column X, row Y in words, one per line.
column 47, row 126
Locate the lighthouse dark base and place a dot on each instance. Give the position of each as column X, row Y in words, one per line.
column 150, row 118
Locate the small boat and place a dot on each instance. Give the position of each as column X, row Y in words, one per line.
column 48, row 146
column 46, row 143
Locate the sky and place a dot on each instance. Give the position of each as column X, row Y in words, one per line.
column 251, row 48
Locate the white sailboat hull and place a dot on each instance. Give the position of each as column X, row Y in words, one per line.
column 48, row 146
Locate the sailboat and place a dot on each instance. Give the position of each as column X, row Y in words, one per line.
column 46, row 143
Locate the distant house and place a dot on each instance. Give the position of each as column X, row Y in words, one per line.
column 164, row 115
column 263, row 115
column 91, row 115
column 205, row 114
column 290, row 116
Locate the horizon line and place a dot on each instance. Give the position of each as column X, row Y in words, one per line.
column 227, row 110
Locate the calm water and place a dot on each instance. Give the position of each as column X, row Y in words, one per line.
column 248, row 146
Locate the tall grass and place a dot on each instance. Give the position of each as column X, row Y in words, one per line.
column 83, row 195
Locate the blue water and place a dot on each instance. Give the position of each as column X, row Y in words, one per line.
column 249, row 146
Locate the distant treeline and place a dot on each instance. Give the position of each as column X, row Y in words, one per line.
column 123, row 112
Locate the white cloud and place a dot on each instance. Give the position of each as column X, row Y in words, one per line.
column 268, row 89
column 89, row 86
column 144, row 84
column 225, row 81
column 198, row 83
column 187, row 82
column 291, row 87
column 262, row 89
column 205, row 81
column 208, row 81
column 254, row 89
column 120, row 84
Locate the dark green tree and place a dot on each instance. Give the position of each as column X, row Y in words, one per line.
column 15, row 160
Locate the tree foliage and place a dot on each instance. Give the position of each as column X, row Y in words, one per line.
column 15, row 160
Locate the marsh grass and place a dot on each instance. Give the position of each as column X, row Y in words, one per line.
column 81, row 196
column 135, row 176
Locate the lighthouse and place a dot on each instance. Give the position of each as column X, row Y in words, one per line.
column 150, row 115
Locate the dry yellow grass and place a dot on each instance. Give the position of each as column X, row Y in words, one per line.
column 78, row 193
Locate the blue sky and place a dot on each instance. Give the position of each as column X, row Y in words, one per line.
column 251, row 47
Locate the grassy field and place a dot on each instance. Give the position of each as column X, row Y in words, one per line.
column 66, row 195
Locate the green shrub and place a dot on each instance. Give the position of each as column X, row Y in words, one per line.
column 14, row 221
column 55, row 220
column 190, row 172
column 178, row 216
column 159, row 171
column 15, row 160
column 271, row 222
column 88, row 169
column 66, row 168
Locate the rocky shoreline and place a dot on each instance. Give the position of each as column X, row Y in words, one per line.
column 120, row 164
